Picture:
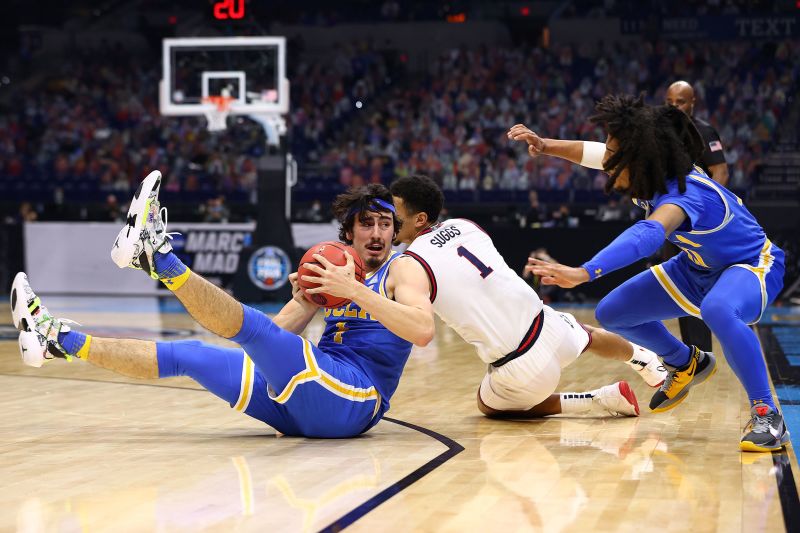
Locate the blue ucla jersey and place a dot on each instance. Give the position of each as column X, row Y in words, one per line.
column 352, row 333
column 718, row 231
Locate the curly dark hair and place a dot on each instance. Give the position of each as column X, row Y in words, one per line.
column 656, row 144
column 358, row 201
column 420, row 194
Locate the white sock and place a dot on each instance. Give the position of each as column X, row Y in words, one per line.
column 641, row 356
column 576, row 402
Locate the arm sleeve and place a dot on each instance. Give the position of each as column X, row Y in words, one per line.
column 641, row 240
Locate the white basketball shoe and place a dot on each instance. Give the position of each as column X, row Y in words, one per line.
column 647, row 364
column 618, row 399
column 38, row 338
column 145, row 232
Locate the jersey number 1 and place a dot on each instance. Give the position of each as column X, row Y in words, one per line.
column 341, row 327
column 483, row 269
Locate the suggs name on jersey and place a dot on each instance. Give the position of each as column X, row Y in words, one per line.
column 444, row 235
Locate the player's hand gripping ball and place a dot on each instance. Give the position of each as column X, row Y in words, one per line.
column 334, row 252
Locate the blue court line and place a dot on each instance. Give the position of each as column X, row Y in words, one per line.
column 115, row 304
column 787, row 490
column 788, row 392
column 784, row 321
column 791, row 417
column 172, row 305
column 790, row 409
column 788, row 396
column 133, row 304
column 270, row 308
column 780, row 315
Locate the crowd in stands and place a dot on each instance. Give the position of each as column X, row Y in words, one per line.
column 326, row 13
column 686, row 8
column 93, row 129
column 452, row 124
column 327, row 93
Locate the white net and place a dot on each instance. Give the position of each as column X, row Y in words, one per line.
column 217, row 120
column 218, row 114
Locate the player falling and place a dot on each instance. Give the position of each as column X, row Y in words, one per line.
column 524, row 343
column 728, row 273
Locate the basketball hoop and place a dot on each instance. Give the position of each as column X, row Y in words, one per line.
column 217, row 115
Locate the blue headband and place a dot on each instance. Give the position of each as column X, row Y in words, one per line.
column 374, row 205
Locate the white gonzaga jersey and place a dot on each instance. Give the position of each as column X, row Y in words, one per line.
column 473, row 289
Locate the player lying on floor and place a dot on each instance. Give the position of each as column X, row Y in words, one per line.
column 339, row 388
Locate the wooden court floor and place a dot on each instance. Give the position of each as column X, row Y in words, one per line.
column 85, row 450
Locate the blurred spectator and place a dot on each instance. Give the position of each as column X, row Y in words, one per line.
column 614, row 210
column 215, row 210
column 548, row 293
column 535, row 214
column 27, row 213
column 314, row 213
column 112, row 210
column 562, row 218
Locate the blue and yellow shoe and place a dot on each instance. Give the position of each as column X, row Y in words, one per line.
column 702, row 365
column 145, row 232
column 38, row 338
column 765, row 432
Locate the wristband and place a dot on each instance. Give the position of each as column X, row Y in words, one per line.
column 593, row 153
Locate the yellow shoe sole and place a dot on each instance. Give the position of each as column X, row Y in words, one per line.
column 677, row 403
column 750, row 447
column 670, row 406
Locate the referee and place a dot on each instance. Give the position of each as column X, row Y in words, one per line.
column 681, row 95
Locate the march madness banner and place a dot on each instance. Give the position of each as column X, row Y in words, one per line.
column 74, row 257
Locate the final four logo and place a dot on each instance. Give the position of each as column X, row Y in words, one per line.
column 269, row 268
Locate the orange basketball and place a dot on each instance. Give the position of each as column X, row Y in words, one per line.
column 334, row 252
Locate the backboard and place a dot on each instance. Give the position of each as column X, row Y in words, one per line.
column 251, row 71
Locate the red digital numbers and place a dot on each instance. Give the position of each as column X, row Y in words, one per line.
column 229, row 9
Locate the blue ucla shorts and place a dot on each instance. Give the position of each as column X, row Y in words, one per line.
column 327, row 398
column 688, row 286
column 282, row 380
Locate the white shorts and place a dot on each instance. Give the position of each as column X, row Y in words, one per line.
column 532, row 377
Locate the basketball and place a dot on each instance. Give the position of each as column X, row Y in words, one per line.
column 334, row 252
